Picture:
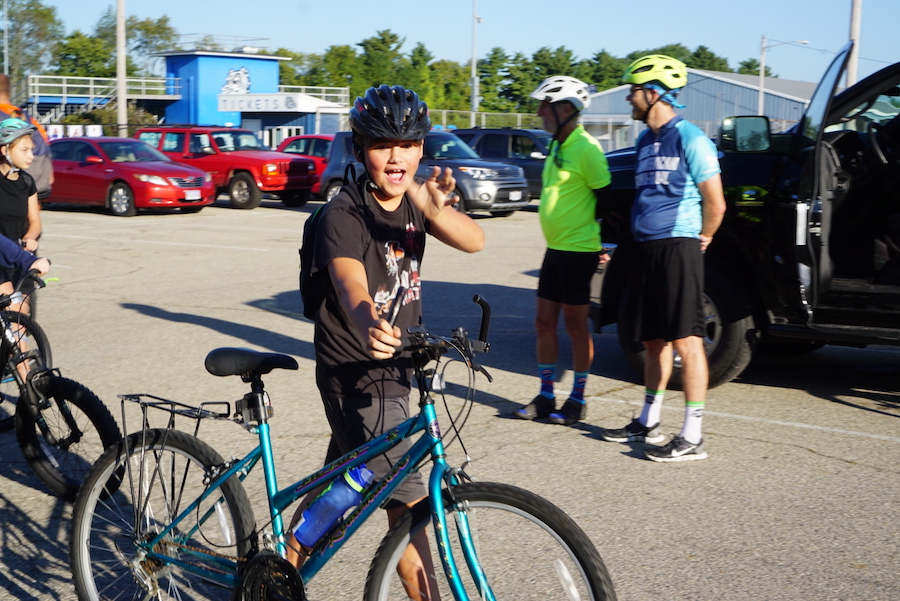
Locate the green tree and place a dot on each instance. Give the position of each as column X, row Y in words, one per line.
column 493, row 77
column 143, row 38
column 751, row 67
column 547, row 62
column 381, row 60
column 33, row 31
column 603, row 70
column 340, row 68
column 293, row 72
column 704, row 58
column 523, row 79
column 80, row 55
column 418, row 75
column 677, row 51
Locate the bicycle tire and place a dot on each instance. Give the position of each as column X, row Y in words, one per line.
column 526, row 545
column 115, row 510
column 62, row 463
column 29, row 336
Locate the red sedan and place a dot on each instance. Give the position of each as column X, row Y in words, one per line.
column 311, row 146
column 125, row 175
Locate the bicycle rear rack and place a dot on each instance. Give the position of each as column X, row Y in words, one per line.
column 174, row 408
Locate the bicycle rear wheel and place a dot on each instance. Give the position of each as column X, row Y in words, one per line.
column 131, row 494
column 26, row 335
column 67, row 434
column 527, row 548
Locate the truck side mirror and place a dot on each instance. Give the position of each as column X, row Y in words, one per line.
column 745, row 134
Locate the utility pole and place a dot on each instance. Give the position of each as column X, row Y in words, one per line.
column 853, row 61
column 121, row 68
column 474, row 74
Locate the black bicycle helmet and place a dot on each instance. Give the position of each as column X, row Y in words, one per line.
column 391, row 113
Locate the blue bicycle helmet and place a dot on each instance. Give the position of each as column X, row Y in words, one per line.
column 12, row 129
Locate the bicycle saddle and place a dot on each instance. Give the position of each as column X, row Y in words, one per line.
column 240, row 361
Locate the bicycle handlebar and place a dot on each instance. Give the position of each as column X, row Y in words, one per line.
column 432, row 346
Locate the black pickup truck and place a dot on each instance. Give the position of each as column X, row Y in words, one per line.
column 809, row 251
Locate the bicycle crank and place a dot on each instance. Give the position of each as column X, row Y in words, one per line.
column 270, row 577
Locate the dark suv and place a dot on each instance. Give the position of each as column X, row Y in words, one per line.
column 239, row 164
column 526, row 148
column 809, row 251
column 482, row 185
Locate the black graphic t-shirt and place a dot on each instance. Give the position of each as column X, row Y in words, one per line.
column 390, row 245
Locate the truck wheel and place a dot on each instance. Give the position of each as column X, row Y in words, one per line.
column 333, row 189
column 294, row 198
column 729, row 338
column 244, row 192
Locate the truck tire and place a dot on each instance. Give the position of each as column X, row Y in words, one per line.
column 729, row 340
column 332, row 190
column 243, row 192
column 294, row 198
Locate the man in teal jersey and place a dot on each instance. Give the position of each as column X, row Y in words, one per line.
column 575, row 180
column 678, row 208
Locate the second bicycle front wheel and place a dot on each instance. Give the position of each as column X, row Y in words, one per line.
column 526, row 548
column 24, row 336
column 68, row 433
column 131, row 495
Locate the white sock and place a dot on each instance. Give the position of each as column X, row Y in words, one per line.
column 653, row 400
column 693, row 420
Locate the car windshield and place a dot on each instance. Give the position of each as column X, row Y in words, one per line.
column 545, row 139
column 228, row 141
column 447, row 146
column 131, row 151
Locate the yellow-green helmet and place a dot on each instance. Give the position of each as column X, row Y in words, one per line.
column 660, row 69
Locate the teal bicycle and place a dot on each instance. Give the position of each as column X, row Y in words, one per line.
column 162, row 515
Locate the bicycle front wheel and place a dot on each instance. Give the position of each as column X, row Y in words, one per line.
column 525, row 548
column 131, row 494
column 23, row 336
column 63, row 437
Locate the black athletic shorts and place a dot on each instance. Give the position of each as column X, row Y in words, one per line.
column 355, row 421
column 566, row 276
column 665, row 289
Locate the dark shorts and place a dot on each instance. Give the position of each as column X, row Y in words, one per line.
column 666, row 289
column 356, row 421
column 566, row 276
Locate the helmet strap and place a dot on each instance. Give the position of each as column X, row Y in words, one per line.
column 561, row 124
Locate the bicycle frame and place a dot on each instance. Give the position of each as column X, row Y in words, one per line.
column 429, row 444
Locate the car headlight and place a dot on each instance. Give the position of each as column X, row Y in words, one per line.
column 152, row 179
column 479, row 172
column 207, row 177
column 270, row 169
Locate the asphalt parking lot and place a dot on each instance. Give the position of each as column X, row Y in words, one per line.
column 798, row 499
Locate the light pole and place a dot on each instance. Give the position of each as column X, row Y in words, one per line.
column 475, row 21
column 762, row 69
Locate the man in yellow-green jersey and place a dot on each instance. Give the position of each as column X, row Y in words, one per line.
column 575, row 178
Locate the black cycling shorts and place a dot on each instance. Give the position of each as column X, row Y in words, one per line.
column 355, row 421
column 566, row 276
column 666, row 289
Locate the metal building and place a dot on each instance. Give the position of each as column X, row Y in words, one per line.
column 709, row 96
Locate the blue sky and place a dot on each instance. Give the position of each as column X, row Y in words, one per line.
column 732, row 29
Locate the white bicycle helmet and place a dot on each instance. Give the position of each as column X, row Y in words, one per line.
column 562, row 87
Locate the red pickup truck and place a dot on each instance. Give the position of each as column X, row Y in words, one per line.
column 238, row 162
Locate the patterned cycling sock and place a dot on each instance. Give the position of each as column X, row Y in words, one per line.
column 653, row 400
column 578, row 386
column 693, row 420
column 547, row 372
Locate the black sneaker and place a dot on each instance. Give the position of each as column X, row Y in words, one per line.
column 677, row 449
column 633, row 432
column 572, row 411
column 539, row 408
